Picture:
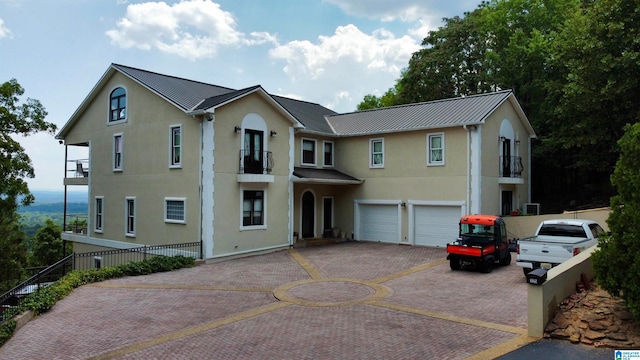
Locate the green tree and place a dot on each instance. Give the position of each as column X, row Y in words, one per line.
column 47, row 245
column 16, row 119
column 617, row 261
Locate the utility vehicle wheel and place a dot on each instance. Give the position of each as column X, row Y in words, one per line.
column 507, row 260
column 454, row 264
column 486, row 267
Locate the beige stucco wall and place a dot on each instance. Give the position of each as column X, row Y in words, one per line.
column 227, row 196
column 491, row 147
column 146, row 174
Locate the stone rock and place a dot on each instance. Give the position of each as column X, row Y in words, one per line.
column 597, row 325
column 560, row 320
column 624, row 315
column 594, row 335
column 586, row 341
column 617, row 336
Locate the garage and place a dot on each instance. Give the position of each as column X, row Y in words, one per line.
column 434, row 225
column 377, row 222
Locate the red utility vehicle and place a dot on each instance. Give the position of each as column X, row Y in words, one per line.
column 482, row 242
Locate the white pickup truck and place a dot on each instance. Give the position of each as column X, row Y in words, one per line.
column 556, row 241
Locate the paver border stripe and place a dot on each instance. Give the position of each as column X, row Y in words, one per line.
column 503, row 348
column 409, row 271
column 282, row 293
column 306, row 265
column 176, row 335
column 448, row 317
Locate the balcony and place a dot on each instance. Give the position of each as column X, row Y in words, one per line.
column 77, row 172
column 255, row 166
column 511, row 170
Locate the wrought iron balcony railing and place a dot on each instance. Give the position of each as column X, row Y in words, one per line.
column 256, row 162
column 511, row 166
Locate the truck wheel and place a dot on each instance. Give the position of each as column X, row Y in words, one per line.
column 486, row 267
column 454, row 264
column 526, row 271
column 507, row 260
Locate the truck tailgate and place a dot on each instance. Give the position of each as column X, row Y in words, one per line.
column 553, row 252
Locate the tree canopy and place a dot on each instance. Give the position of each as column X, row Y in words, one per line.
column 16, row 119
column 573, row 66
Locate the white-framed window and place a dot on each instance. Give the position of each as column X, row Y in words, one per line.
column 117, row 152
column 99, row 214
column 308, row 152
column 175, row 146
column 254, row 208
column 376, row 150
column 175, row 210
column 435, row 149
column 118, row 105
column 327, row 159
column 130, row 216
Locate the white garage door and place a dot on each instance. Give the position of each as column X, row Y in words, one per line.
column 378, row 223
column 435, row 225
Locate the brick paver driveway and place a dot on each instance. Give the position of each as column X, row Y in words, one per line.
column 350, row 300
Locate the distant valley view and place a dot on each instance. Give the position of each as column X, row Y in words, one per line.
column 50, row 205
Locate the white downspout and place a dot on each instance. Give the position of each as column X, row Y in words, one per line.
column 468, row 199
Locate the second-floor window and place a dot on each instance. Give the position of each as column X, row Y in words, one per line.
column 99, row 210
column 176, row 146
column 130, row 214
column 118, row 105
column 376, row 147
column 328, row 154
column 117, row 152
column 308, row 152
column 435, row 149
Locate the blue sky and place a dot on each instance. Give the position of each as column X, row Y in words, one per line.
column 331, row 52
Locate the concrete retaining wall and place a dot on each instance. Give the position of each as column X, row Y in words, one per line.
column 525, row 226
column 543, row 300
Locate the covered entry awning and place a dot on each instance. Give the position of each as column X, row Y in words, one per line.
column 323, row 176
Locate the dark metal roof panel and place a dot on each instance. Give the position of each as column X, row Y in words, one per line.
column 322, row 174
column 311, row 115
column 182, row 92
column 219, row 99
column 427, row 115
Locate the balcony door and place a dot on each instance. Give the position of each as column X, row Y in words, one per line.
column 506, row 158
column 253, row 150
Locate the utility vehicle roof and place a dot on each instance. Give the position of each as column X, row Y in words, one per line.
column 479, row 219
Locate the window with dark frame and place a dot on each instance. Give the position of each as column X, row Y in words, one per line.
column 118, row 105
column 308, row 152
column 252, row 208
column 328, row 153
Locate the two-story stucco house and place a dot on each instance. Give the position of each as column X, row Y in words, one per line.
column 173, row 160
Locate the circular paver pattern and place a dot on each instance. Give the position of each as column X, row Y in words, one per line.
column 330, row 292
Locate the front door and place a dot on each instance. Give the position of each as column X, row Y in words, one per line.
column 507, row 201
column 308, row 215
column 253, row 150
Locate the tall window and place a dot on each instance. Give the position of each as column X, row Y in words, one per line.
column 117, row 152
column 376, row 147
column 253, row 159
column 308, row 152
column 176, row 146
column 328, row 154
column 130, row 229
column 118, row 105
column 175, row 210
column 99, row 211
column 252, row 208
column 435, row 149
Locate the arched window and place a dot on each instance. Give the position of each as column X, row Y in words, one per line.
column 118, row 105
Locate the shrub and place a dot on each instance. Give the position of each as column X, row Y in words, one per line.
column 617, row 261
column 43, row 300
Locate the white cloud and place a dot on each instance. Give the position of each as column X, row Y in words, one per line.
column 4, row 31
column 348, row 59
column 191, row 29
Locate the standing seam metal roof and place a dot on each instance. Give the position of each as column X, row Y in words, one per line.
column 445, row 113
